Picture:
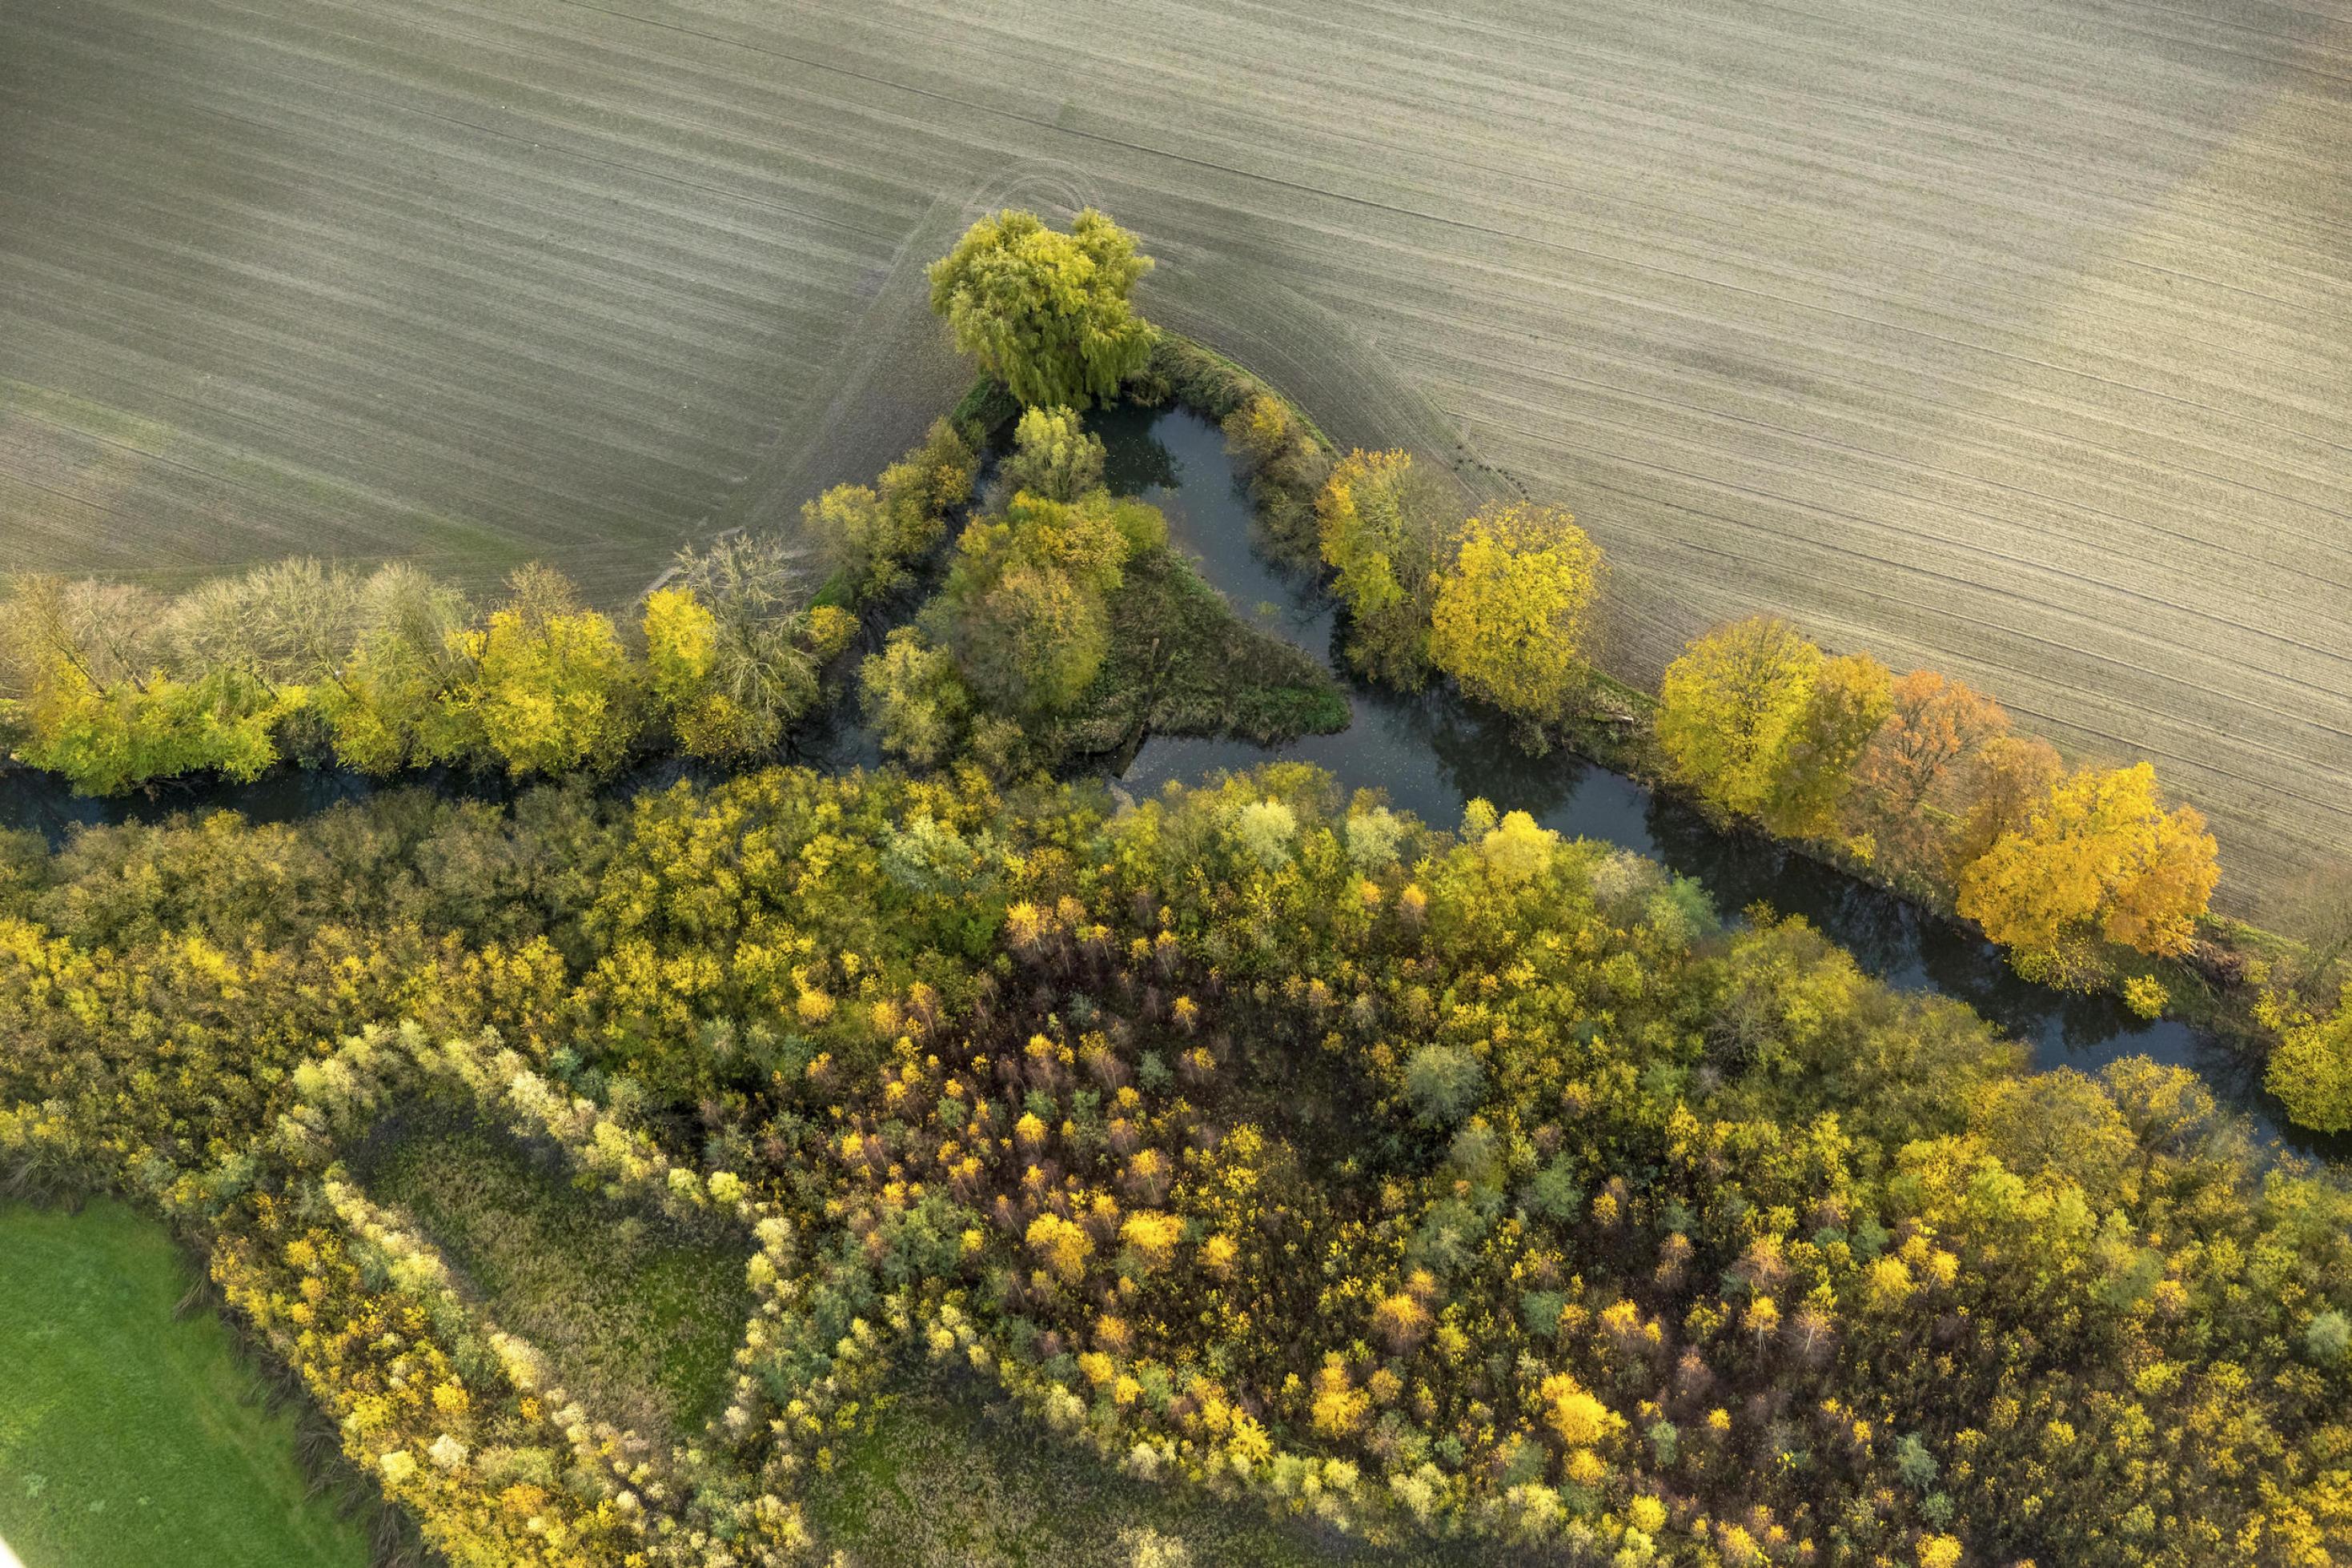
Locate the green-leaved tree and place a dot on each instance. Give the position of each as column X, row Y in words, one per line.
column 1043, row 312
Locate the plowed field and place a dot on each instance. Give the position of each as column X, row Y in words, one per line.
column 2016, row 340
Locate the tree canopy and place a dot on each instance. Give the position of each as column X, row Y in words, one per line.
column 1379, row 533
column 1043, row 312
column 1732, row 706
column 1512, row 619
column 2100, row 856
column 1053, row 455
column 1254, row 1136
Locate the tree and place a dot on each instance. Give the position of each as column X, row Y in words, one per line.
column 766, row 642
column 553, row 687
column 285, row 623
column 1512, row 616
column 1813, row 773
column 1262, row 430
column 1053, row 455
column 921, row 488
column 105, row 742
column 1287, row 466
column 1907, row 776
column 84, row 662
column 680, row 650
column 2311, row 1070
column 1995, row 792
column 1025, row 607
column 107, row 633
column 1046, row 313
column 1033, row 642
column 1441, row 1082
column 857, row 536
column 1731, row 705
column 867, row 534
column 1375, row 520
column 2101, row 856
column 913, row 698
column 386, row 711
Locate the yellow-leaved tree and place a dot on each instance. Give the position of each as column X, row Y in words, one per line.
column 553, row 689
column 2311, row 1071
column 2102, row 857
column 681, row 647
column 1729, row 706
column 1512, row 619
column 1813, row 773
column 1373, row 520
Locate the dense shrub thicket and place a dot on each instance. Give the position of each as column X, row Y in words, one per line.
column 1260, row 1139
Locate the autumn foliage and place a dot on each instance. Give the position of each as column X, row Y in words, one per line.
column 1512, row 614
column 1920, row 776
column 1251, row 1136
column 2100, row 856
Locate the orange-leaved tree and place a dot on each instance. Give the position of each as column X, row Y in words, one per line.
column 1908, row 778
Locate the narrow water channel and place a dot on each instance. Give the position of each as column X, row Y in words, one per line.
column 1432, row 754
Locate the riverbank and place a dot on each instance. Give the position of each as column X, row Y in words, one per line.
column 1156, row 687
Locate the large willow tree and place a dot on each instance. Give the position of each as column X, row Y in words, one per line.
column 1046, row 313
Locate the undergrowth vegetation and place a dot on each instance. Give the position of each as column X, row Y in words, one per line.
column 949, row 1478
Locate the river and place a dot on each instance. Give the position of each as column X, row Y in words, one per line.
column 1432, row 753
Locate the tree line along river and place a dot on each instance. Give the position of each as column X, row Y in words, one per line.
column 1431, row 754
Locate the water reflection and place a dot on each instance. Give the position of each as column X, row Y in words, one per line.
column 1431, row 754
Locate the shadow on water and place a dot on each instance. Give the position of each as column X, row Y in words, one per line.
column 1431, row 754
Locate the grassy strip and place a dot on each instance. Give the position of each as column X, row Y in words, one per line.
column 639, row 1316
column 129, row 1434
column 1181, row 662
column 948, row 1479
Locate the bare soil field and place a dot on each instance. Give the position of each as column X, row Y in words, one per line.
column 2013, row 339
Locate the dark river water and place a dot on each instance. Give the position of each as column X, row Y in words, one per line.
column 1430, row 753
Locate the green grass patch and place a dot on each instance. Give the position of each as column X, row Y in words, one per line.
column 951, row 1478
column 129, row 1434
column 1181, row 662
column 637, row 1312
